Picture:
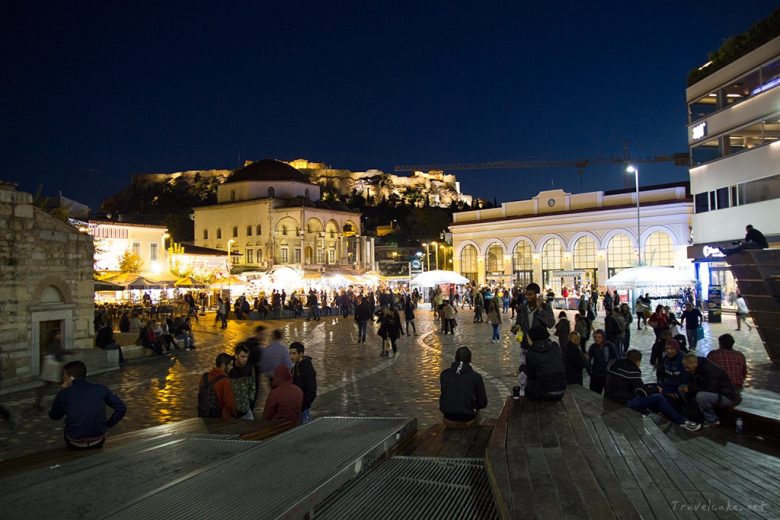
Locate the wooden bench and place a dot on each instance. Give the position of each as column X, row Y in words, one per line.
column 255, row 430
column 587, row 457
column 439, row 441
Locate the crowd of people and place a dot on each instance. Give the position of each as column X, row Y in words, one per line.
column 687, row 390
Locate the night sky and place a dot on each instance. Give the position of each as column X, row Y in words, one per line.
column 93, row 92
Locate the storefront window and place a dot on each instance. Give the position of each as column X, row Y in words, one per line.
column 468, row 262
column 658, row 250
column 620, row 254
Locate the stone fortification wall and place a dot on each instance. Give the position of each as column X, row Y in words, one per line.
column 41, row 260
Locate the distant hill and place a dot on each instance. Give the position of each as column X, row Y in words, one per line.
column 421, row 204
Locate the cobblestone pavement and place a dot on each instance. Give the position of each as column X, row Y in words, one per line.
column 352, row 378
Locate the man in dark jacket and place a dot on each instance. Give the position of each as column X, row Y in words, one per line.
column 243, row 381
column 544, row 367
column 624, row 385
column 600, row 353
column 304, row 377
column 84, row 406
column 363, row 314
column 533, row 313
column 709, row 385
column 574, row 360
column 463, row 392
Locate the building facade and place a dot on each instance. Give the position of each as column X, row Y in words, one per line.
column 269, row 214
column 114, row 238
column 558, row 238
column 47, row 286
column 734, row 143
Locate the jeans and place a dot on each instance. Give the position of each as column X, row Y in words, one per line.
column 306, row 416
column 414, row 328
column 709, row 400
column 693, row 337
column 496, row 335
column 362, row 325
column 656, row 403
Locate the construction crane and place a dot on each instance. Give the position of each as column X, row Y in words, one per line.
column 679, row 159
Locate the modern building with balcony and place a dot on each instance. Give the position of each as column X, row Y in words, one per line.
column 734, row 142
column 271, row 215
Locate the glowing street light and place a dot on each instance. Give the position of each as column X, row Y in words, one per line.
column 633, row 169
column 427, row 256
column 436, row 250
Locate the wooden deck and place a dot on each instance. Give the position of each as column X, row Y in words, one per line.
column 438, row 441
column 586, row 457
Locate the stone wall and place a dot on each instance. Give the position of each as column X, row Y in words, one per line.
column 46, row 273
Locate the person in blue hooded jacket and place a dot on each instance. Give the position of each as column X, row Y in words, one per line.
column 672, row 374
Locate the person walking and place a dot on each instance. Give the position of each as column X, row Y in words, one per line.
column 362, row 316
column 389, row 329
column 494, row 318
column 742, row 314
column 409, row 306
column 304, row 377
column 692, row 318
column 51, row 372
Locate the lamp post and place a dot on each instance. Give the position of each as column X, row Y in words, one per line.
column 427, row 256
column 229, row 250
column 444, row 260
column 633, row 169
column 436, row 251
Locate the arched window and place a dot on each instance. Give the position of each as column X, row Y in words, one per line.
column 271, row 192
column 658, row 250
column 585, row 260
column 258, row 229
column 494, row 261
column 284, row 230
column 620, row 254
column 219, row 233
column 205, row 234
column 235, row 231
column 468, row 262
column 552, row 253
column 522, row 263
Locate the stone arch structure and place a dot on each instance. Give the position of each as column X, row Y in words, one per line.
column 522, row 238
column 332, row 229
column 465, row 243
column 676, row 240
column 578, row 235
column 51, row 309
column 350, row 228
column 288, row 224
column 493, row 241
column 314, row 225
column 604, row 243
column 546, row 238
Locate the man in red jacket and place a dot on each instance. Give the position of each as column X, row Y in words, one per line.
column 285, row 400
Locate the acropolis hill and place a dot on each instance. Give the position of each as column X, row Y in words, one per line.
column 374, row 185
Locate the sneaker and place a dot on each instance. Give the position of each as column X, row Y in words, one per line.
column 712, row 424
column 691, row 426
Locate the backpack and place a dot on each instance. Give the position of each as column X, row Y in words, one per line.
column 208, row 402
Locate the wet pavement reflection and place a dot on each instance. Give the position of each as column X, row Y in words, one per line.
column 352, row 378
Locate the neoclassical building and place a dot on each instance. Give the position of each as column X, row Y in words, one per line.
column 558, row 238
column 269, row 214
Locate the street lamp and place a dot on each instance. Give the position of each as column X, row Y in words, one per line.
column 633, row 169
column 427, row 256
column 444, row 260
column 436, row 250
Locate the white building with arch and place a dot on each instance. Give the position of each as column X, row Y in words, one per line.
column 269, row 214
column 557, row 238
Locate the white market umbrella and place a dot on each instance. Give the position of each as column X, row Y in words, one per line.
column 436, row 277
column 649, row 276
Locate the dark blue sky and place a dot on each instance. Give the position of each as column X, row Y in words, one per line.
column 95, row 91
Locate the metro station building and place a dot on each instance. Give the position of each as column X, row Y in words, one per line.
column 558, row 238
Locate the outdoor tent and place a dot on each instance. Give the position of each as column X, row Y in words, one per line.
column 188, row 282
column 437, row 277
column 650, row 276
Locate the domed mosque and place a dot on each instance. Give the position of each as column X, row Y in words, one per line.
column 270, row 215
